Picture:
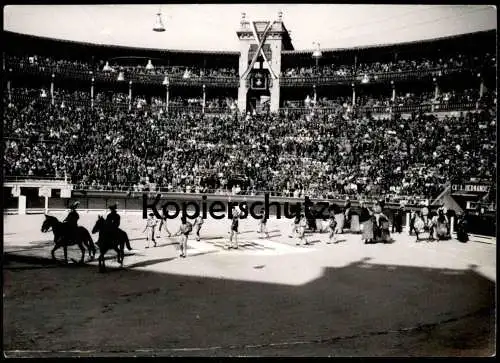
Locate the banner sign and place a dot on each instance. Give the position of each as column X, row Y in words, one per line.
column 44, row 192
column 65, row 193
column 258, row 81
column 16, row 191
column 471, row 188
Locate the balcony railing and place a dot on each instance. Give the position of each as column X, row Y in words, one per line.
column 84, row 73
column 112, row 77
column 299, row 81
column 424, row 108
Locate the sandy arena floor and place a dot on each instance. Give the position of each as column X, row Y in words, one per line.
column 269, row 298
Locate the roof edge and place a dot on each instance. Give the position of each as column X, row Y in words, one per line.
column 124, row 47
column 386, row 45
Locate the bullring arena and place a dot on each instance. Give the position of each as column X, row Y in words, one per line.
column 270, row 297
column 393, row 127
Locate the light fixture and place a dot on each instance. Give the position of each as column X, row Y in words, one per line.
column 121, row 77
column 186, row 74
column 44, row 94
column 317, row 53
column 107, row 68
column 365, row 79
column 166, row 81
column 149, row 66
column 158, row 27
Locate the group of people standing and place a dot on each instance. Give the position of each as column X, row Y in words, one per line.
column 374, row 225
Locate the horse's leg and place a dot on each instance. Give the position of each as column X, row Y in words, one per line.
column 102, row 266
column 80, row 244
column 122, row 249
column 66, row 254
column 101, row 262
column 118, row 255
column 54, row 250
column 92, row 246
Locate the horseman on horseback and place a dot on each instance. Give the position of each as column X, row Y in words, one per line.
column 113, row 222
column 71, row 222
column 113, row 218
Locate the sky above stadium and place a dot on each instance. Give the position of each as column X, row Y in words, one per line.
column 213, row 27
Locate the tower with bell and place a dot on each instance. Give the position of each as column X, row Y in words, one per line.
column 261, row 43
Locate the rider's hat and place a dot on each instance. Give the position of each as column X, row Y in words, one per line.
column 113, row 206
column 74, row 205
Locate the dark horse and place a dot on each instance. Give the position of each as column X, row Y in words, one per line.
column 62, row 238
column 110, row 238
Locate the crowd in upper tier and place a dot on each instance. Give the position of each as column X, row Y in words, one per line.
column 320, row 155
column 340, row 69
column 331, row 68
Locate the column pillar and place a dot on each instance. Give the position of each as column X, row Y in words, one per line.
column 315, row 94
column 9, row 87
column 242, row 96
column 408, row 216
column 52, row 88
column 204, row 99
column 130, row 95
column 481, row 89
column 353, row 95
column 168, row 98
column 436, row 92
column 92, row 93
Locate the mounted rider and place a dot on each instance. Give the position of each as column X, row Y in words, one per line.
column 71, row 221
column 113, row 220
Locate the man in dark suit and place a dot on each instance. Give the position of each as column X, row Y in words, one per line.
column 71, row 222
column 397, row 222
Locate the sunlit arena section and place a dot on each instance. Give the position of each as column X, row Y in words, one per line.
column 244, row 180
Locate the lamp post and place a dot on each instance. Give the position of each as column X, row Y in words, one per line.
column 158, row 27
column 317, row 54
column 166, row 83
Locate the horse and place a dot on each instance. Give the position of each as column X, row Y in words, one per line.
column 110, row 238
column 61, row 238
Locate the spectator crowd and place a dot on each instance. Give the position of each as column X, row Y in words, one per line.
column 319, row 155
column 334, row 69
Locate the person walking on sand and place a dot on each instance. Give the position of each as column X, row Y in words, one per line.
column 150, row 229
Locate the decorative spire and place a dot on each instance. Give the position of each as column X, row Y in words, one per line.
column 280, row 16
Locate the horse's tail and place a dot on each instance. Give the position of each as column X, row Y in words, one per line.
column 88, row 238
column 127, row 242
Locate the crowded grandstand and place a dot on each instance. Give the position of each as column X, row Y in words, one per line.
column 402, row 120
